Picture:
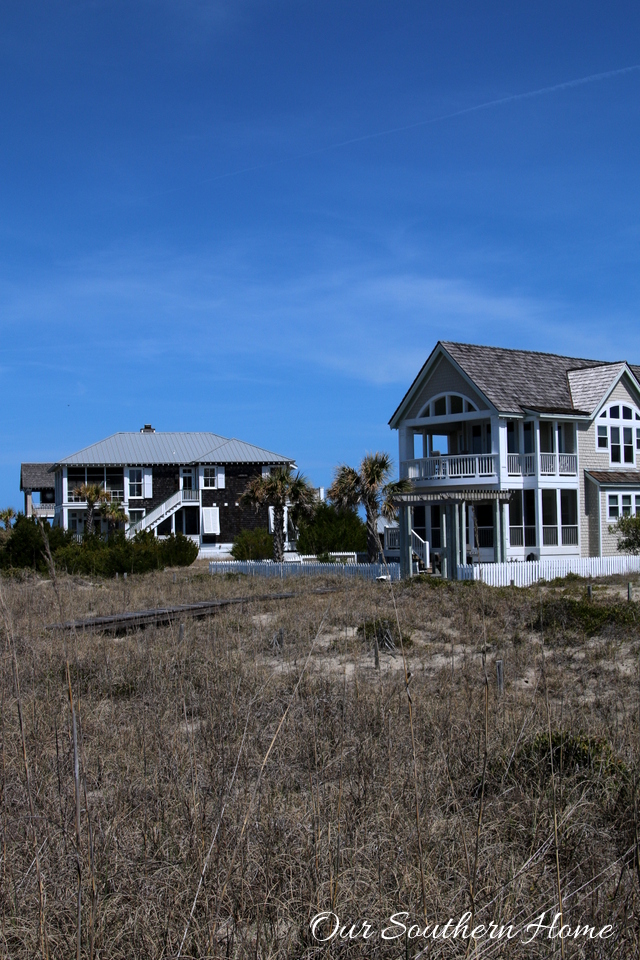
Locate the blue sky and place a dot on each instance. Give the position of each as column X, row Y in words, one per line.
column 247, row 216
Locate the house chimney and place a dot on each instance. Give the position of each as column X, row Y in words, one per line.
column 147, row 428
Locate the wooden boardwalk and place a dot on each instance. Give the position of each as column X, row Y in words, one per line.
column 136, row 619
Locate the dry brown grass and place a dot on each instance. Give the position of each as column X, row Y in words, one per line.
column 331, row 821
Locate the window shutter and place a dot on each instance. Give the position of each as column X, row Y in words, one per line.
column 271, row 519
column 147, row 478
column 200, row 478
column 126, row 484
column 220, row 477
column 211, row 520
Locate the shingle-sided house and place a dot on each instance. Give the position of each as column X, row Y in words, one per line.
column 189, row 483
column 38, row 478
column 517, row 455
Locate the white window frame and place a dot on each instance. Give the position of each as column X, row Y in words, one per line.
column 612, row 500
column 136, row 483
column 620, row 423
column 209, row 470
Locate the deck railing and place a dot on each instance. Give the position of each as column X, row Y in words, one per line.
column 484, row 466
column 450, row 468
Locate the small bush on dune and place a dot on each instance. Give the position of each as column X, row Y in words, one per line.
column 253, row 545
column 119, row 555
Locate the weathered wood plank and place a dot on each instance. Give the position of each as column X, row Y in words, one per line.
column 163, row 615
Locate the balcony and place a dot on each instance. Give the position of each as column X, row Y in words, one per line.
column 43, row 509
column 558, row 464
column 521, row 464
column 439, row 469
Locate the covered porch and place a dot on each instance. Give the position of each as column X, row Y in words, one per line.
column 487, row 542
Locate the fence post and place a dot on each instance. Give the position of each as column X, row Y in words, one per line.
column 629, row 595
column 500, row 676
column 589, row 592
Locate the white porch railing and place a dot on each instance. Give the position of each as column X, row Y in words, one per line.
column 450, row 468
column 521, row 464
column 568, row 464
column 420, row 547
column 391, row 538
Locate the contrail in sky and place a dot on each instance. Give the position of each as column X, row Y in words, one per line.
column 529, row 95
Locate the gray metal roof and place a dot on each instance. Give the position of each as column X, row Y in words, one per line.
column 36, row 476
column 154, row 448
column 515, row 381
column 238, row 451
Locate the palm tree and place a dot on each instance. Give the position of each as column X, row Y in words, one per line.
column 280, row 489
column 112, row 512
column 370, row 487
column 93, row 494
column 6, row 516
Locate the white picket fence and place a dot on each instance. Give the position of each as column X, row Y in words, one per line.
column 282, row 571
column 531, row 571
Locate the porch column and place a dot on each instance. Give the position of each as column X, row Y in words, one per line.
column 504, row 512
column 455, row 540
column 28, row 503
column 463, row 531
column 444, row 539
column 404, row 534
column 497, row 536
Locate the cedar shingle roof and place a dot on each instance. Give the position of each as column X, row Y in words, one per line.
column 620, row 478
column 515, row 380
column 518, row 381
column 36, row 476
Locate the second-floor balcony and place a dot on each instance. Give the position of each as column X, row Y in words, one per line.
column 463, row 467
column 485, row 467
column 550, row 464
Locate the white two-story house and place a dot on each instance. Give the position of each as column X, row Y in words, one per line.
column 516, row 455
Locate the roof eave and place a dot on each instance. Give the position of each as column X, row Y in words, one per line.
column 438, row 350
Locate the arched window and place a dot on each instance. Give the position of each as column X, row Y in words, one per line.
column 618, row 431
column 447, row 404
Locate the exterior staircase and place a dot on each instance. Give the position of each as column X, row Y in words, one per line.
column 163, row 511
column 420, row 548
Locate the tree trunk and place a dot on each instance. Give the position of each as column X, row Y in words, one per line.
column 278, row 534
column 90, row 521
column 374, row 547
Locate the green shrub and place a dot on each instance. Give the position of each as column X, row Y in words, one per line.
column 23, row 546
column 566, row 613
column 95, row 555
column 253, row 545
column 330, row 530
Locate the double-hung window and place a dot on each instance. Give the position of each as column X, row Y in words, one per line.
column 614, row 510
column 209, row 477
column 626, row 504
column 135, row 483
